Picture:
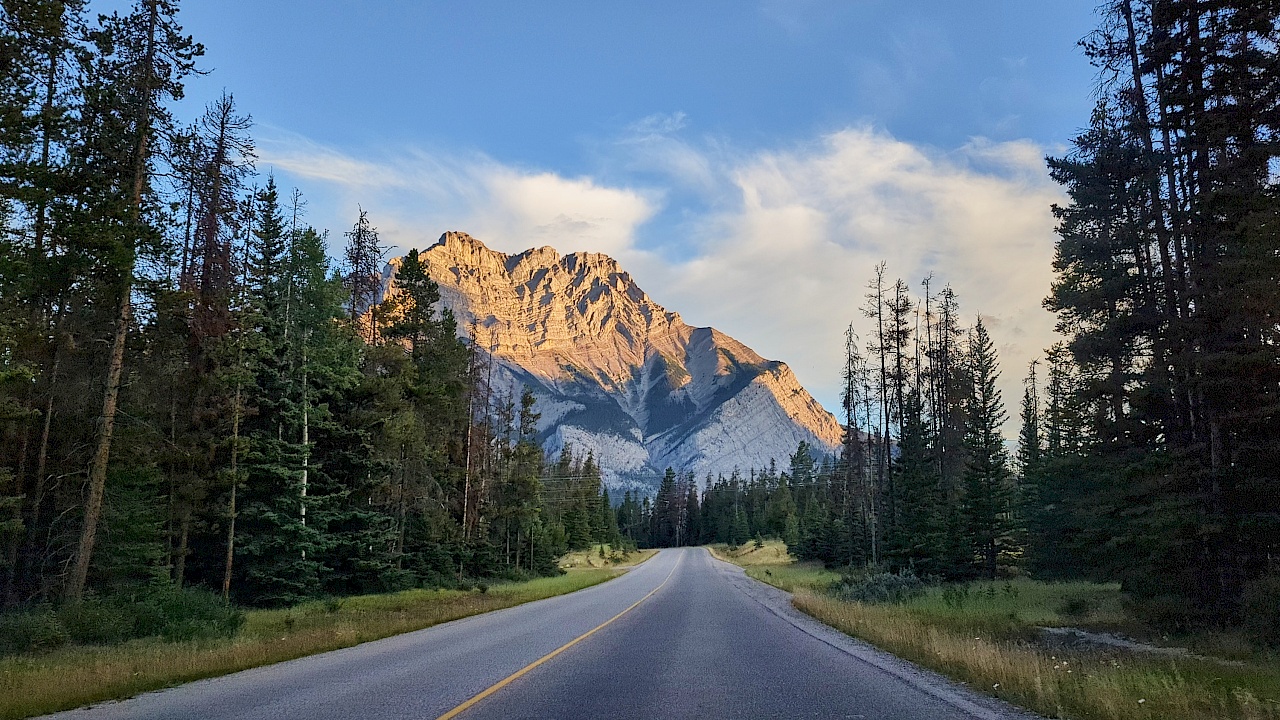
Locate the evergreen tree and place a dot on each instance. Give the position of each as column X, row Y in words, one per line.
column 988, row 492
column 914, row 541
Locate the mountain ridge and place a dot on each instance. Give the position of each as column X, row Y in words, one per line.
column 615, row 372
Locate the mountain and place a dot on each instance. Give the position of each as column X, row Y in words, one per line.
column 618, row 374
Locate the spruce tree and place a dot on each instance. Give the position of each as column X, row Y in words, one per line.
column 988, row 492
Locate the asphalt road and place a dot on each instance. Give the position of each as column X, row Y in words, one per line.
column 703, row 641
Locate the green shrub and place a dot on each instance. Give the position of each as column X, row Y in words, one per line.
column 97, row 621
column 956, row 595
column 1261, row 607
column 35, row 630
column 187, row 614
column 879, row 587
column 171, row 613
column 1077, row 607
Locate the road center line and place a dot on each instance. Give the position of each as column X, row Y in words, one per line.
column 522, row 671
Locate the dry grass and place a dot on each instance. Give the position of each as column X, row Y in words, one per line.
column 774, row 552
column 68, row 678
column 772, row 564
column 1072, row 685
column 590, row 558
column 983, row 636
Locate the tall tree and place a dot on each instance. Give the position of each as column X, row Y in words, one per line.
column 988, row 491
column 144, row 57
column 364, row 253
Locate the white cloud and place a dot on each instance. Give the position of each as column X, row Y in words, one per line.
column 785, row 269
column 783, row 244
column 569, row 214
column 660, row 123
column 414, row 196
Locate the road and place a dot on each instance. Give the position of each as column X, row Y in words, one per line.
column 681, row 636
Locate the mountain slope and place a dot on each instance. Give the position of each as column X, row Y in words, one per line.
column 616, row 373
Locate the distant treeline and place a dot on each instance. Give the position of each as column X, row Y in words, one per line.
column 192, row 393
column 922, row 482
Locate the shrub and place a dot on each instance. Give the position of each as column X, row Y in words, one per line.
column 172, row 613
column 97, row 621
column 1077, row 607
column 880, row 587
column 1261, row 607
column 190, row 614
column 31, row 631
column 1167, row 613
column 956, row 595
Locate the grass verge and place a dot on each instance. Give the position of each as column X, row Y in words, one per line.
column 987, row 636
column 72, row 677
column 772, row 564
column 610, row 558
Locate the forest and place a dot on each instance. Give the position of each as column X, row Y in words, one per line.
column 193, row 394
column 1149, row 441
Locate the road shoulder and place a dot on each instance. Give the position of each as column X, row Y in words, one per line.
column 778, row 602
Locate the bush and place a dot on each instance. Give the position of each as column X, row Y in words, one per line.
column 35, row 630
column 879, row 587
column 171, row 613
column 186, row 614
column 956, row 595
column 1261, row 607
column 1077, row 607
column 97, row 621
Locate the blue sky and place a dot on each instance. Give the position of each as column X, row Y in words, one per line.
column 749, row 162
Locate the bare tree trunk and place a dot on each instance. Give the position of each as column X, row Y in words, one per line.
column 400, row 512
column 306, row 440
column 98, row 470
column 184, row 534
column 115, row 368
column 231, row 505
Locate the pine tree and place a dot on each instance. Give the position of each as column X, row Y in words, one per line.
column 364, row 253
column 988, row 493
column 127, row 91
column 915, row 542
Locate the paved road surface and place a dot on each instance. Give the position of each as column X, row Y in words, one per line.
column 703, row 642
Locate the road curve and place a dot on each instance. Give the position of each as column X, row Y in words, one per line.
column 683, row 636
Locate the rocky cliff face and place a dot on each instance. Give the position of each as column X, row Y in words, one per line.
column 616, row 373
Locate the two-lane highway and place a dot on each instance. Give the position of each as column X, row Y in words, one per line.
column 681, row 636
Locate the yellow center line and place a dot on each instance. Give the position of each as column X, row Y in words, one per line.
column 522, row 671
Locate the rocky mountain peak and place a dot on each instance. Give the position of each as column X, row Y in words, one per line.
column 617, row 373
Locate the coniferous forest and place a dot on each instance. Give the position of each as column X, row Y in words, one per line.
column 1149, row 437
column 193, row 394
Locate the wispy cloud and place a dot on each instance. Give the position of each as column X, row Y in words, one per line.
column 414, row 195
column 785, row 270
column 659, row 124
column 781, row 242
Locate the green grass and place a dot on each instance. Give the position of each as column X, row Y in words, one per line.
column 986, row 636
column 72, row 677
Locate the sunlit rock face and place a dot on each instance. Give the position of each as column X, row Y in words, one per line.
column 618, row 374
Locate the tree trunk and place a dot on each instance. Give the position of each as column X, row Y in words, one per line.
column 231, row 505
column 306, row 440
column 115, row 369
column 98, row 470
column 184, row 534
